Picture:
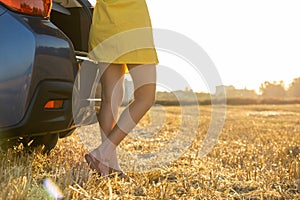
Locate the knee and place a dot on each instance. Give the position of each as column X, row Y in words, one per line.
column 114, row 99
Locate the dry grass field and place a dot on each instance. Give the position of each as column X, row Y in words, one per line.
column 257, row 156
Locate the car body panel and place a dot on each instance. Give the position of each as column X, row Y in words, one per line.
column 38, row 64
column 32, row 50
column 2, row 10
column 54, row 57
column 14, row 79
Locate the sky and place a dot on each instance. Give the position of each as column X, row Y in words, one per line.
column 249, row 41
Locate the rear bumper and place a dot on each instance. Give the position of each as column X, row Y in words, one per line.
column 40, row 121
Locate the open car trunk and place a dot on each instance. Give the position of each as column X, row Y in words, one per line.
column 74, row 18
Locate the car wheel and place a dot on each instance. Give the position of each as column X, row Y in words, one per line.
column 47, row 142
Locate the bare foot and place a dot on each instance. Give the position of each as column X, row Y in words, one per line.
column 95, row 164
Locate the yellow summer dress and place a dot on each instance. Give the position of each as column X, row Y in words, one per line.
column 121, row 33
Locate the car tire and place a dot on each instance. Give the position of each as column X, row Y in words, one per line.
column 47, row 142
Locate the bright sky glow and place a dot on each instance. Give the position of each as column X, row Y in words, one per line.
column 249, row 41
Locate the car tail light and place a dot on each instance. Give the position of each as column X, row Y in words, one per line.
column 54, row 104
column 30, row 7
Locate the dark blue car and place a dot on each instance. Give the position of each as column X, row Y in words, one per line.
column 38, row 65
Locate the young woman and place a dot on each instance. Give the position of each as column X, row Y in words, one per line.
column 121, row 40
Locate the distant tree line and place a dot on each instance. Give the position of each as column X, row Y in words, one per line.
column 270, row 93
column 277, row 89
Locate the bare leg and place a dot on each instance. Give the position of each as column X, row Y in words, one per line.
column 144, row 79
column 112, row 94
